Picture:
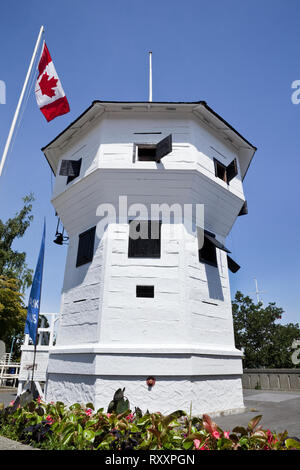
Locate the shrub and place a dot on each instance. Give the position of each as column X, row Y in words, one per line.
column 55, row 426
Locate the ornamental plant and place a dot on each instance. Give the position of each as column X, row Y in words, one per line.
column 81, row 427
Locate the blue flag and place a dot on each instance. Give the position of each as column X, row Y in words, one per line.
column 35, row 294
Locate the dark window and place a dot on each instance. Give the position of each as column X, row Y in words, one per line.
column 226, row 173
column 155, row 152
column 70, row 168
column 147, row 153
column 231, row 170
column 145, row 291
column 207, row 254
column 86, row 247
column 220, row 170
column 144, row 239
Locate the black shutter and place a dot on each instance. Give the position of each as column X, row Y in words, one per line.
column 231, row 170
column 75, row 167
column 164, row 147
column 64, row 168
column 70, row 168
column 244, row 209
column 212, row 238
column 232, row 265
column 86, row 247
column 145, row 247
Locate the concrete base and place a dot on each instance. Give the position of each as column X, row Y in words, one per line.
column 207, row 382
column 200, row 395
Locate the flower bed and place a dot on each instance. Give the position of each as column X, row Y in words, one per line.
column 55, row 426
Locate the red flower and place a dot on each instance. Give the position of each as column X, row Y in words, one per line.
column 130, row 418
column 49, row 420
column 216, row 434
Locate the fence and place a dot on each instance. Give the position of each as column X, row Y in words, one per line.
column 272, row 379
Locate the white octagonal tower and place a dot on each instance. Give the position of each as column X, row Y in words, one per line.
column 137, row 308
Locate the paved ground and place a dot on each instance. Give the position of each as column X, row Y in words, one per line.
column 280, row 410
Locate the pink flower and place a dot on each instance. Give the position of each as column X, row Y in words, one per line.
column 12, row 403
column 108, row 415
column 216, row 435
column 39, row 399
column 88, row 412
column 226, row 434
column 197, row 443
column 49, row 419
column 130, row 418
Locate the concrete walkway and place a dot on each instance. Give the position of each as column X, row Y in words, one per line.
column 8, row 444
column 280, row 410
column 6, row 396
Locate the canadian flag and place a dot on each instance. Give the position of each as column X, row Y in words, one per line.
column 49, row 93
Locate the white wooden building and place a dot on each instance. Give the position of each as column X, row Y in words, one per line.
column 137, row 309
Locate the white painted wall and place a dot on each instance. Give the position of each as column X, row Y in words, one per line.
column 109, row 143
column 191, row 309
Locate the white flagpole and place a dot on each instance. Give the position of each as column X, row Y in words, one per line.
column 150, row 77
column 13, row 125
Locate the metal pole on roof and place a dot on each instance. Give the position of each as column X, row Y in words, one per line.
column 15, row 118
column 150, row 76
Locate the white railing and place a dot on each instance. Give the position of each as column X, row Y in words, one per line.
column 9, row 371
column 45, row 340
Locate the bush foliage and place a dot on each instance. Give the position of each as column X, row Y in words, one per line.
column 56, row 426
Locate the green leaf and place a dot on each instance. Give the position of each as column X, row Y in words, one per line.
column 122, row 406
column 240, row 430
column 244, row 442
column 90, row 405
column 187, row 445
column 67, row 438
column 75, row 406
column 89, row 435
column 119, row 394
column 175, row 415
column 292, row 444
column 73, row 418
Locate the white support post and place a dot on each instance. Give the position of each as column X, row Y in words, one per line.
column 150, row 76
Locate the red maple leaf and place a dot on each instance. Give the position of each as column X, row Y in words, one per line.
column 47, row 85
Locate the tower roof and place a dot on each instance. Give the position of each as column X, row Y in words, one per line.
column 199, row 108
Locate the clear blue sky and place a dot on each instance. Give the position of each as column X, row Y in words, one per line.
column 239, row 56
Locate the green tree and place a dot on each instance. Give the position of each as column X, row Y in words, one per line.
column 265, row 342
column 12, row 311
column 15, row 276
column 12, row 262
